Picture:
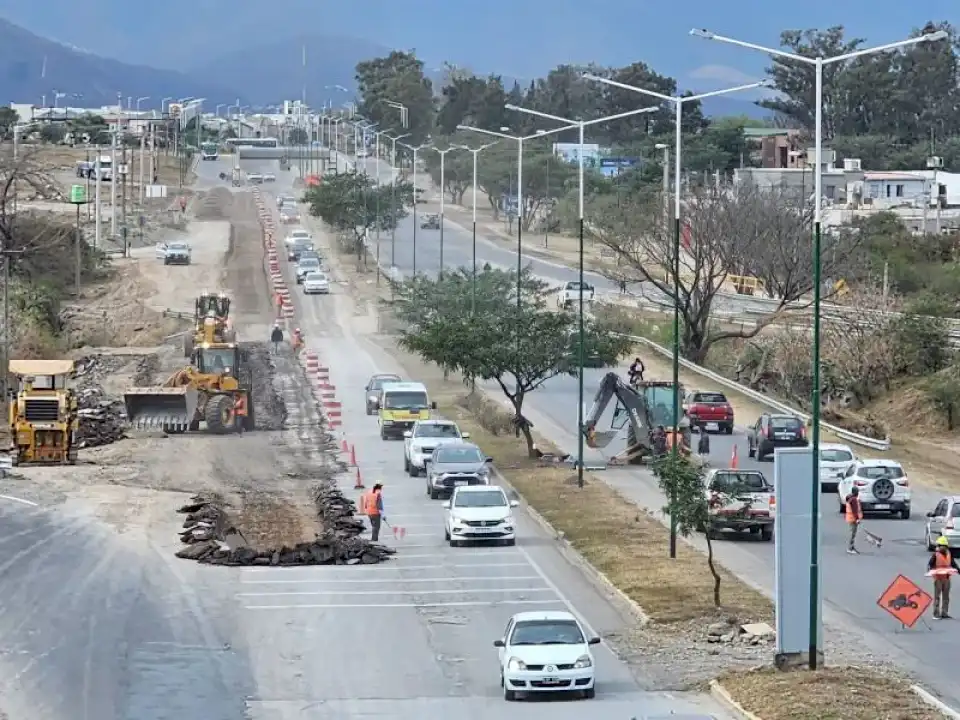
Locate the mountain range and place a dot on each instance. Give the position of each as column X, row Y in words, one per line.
column 34, row 69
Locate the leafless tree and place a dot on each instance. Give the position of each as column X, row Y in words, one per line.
column 732, row 236
column 23, row 177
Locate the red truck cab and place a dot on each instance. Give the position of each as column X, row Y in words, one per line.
column 710, row 411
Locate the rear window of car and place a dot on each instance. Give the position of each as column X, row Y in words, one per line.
column 834, row 455
column 880, row 472
column 710, row 397
column 786, row 423
column 744, row 481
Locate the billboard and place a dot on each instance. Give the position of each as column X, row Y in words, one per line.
column 570, row 152
column 613, row 166
column 175, row 109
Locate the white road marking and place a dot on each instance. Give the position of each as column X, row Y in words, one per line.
column 312, row 593
column 478, row 603
column 286, row 572
column 448, row 578
column 19, row 500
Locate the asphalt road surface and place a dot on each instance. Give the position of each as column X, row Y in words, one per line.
column 852, row 584
column 412, row 638
column 94, row 627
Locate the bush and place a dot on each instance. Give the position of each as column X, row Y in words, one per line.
column 922, row 343
column 489, row 415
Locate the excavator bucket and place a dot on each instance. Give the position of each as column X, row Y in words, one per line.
column 600, row 439
column 157, row 408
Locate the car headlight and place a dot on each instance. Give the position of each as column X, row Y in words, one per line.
column 583, row 661
column 516, row 663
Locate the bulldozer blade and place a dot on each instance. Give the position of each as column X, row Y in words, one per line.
column 161, row 408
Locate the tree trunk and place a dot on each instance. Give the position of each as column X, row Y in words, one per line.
column 522, row 425
column 713, row 571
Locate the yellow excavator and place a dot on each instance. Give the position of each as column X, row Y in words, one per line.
column 215, row 389
column 44, row 415
column 217, row 306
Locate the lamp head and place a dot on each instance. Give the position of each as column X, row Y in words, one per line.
column 703, row 33
column 934, row 36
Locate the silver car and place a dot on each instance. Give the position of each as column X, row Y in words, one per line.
column 944, row 521
column 454, row 465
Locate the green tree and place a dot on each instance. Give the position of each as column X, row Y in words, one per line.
column 52, row 133
column 399, row 78
column 8, row 118
column 89, row 128
column 944, row 391
column 457, row 168
column 497, row 177
column 479, row 330
column 297, row 136
column 354, row 204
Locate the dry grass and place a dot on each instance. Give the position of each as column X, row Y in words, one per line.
column 830, row 694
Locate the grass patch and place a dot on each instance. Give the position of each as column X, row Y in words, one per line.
column 618, row 538
column 828, row 694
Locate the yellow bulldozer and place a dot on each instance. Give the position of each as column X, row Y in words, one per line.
column 215, row 389
column 208, row 306
column 44, row 416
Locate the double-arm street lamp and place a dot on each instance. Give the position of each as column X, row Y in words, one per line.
column 443, row 191
column 473, row 283
column 818, row 64
column 394, row 139
column 678, row 102
column 581, row 125
column 415, row 149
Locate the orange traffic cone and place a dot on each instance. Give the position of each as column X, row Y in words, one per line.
column 353, row 455
column 734, row 460
column 358, row 483
column 343, row 446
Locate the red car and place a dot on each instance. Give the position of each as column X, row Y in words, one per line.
column 710, row 411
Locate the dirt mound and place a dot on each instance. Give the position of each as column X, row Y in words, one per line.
column 213, row 205
column 216, row 535
column 270, row 409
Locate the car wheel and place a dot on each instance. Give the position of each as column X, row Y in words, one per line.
column 931, row 546
column 509, row 695
column 589, row 694
column 406, row 464
column 446, row 536
column 751, row 451
column 433, row 494
column 905, row 514
column 843, row 508
column 728, row 429
column 414, row 471
column 383, row 435
column 766, row 534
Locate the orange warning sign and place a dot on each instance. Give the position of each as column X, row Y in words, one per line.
column 905, row 601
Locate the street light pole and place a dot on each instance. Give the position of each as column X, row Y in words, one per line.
column 581, row 125
column 415, row 149
column 393, row 197
column 678, row 102
column 443, row 159
column 473, row 281
column 818, row 63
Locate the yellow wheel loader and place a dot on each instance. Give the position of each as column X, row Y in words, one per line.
column 44, row 415
column 209, row 307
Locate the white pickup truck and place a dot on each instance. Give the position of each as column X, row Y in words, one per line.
column 740, row 501
column 570, row 293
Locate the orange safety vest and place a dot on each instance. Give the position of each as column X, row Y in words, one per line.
column 852, row 517
column 240, row 405
column 370, row 504
column 942, row 560
column 670, row 440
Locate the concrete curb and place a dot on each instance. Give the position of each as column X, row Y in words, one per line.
column 934, row 702
column 599, row 580
column 719, row 693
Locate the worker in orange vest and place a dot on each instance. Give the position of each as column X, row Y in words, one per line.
column 240, row 411
column 373, row 509
column 940, row 564
column 297, row 340
column 854, row 517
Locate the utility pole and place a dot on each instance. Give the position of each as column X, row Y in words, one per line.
column 123, row 179
column 98, row 211
column 113, row 183
column 143, row 143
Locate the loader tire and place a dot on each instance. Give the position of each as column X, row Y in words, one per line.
column 188, row 345
column 219, row 415
column 250, row 421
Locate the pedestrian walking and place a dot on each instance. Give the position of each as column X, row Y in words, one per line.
column 276, row 337
column 373, row 509
column 854, row 517
column 942, row 567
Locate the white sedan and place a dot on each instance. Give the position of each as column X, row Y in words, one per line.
column 316, row 283
column 545, row 651
column 269, row 177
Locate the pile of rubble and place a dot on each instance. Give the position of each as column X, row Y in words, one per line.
column 102, row 419
column 731, row 631
column 271, row 410
column 212, row 539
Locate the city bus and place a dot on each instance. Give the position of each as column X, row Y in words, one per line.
column 268, row 142
column 209, row 151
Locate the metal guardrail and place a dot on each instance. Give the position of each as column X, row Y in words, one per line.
column 168, row 313
column 761, row 398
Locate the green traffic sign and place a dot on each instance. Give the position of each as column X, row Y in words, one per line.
column 78, row 194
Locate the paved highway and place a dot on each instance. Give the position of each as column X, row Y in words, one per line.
column 412, row 638
column 852, row 584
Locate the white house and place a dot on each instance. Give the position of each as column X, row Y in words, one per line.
column 888, row 190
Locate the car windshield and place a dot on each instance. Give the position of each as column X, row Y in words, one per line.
column 484, row 499
column 378, row 382
column 836, row 455
column 176, row 246
column 750, row 481
column 880, row 472
column 547, row 632
column 459, row 455
column 786, row 423
column 316, row 277
column 576, row 286
column 710, row 397
column 405, row 400
column 438, row 430
column 300, row 234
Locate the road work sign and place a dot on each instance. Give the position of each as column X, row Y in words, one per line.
column 905, row 601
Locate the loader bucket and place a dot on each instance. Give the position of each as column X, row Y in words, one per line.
column 161, row 408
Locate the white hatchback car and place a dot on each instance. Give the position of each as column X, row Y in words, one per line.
column 834, row 461
column 423, row 438
column 479, row 512
column 944, row 521
column 546, row 652
column 297, row 236
column 316, row 283
column 883, row 487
